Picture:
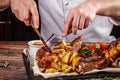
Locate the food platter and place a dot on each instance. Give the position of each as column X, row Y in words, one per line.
column 31, row 76
column 33, row 69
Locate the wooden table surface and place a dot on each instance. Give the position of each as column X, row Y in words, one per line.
column 11, row 51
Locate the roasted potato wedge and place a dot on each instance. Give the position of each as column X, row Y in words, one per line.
column 51, row 70
column 74, row 62
column 73, row 55
column 66, row 57
column 56, row 66
column 113, row 52
column 66, row 68
column 107, row 54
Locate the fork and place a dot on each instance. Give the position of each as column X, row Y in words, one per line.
column 57, row 40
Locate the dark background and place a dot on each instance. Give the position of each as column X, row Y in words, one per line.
column 11, row 29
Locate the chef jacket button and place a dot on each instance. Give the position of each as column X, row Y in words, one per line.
column 66, row 3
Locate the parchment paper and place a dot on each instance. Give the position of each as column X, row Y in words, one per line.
column 37, row 70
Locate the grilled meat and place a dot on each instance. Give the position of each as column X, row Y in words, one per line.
column 88, row 64
column 96, row 60
column 114, row 49
column 76, row 43
column 44, row 58
column 45, row 61
column 116, row 63
column 41, row 53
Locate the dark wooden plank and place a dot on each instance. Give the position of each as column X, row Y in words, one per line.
column 12, row 52
column 1, row 31
column 7, row 31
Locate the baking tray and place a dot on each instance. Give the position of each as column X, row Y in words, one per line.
column 98, row 75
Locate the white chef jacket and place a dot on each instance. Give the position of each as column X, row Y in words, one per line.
column 115, row 21
column 54, row 12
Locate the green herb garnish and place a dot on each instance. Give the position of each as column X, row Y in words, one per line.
column 6, row 64
column 85, row 51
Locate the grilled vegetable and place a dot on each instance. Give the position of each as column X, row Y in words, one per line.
column 85, row 53
column 103, row 45
column 93, row 47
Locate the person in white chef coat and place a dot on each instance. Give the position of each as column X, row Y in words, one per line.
column 54, row 13
column 54, row 16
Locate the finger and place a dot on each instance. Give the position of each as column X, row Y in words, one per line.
column 75, row 23
column 27, row 22
column 81, row 22
column 87, row 22
column 25, row 16
column 35, row 15
column 68, row 24
column 16, row 12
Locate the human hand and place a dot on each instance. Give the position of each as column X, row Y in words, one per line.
column 80, row 17
column 25, row 10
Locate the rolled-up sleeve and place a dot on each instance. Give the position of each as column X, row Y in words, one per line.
column 3, row 9
column 115, row 20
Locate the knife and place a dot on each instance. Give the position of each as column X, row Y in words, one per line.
column 40, row 36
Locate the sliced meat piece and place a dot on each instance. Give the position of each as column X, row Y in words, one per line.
column 88, row 64
column 76, row 43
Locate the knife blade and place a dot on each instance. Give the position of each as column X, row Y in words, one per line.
column 40, row 36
